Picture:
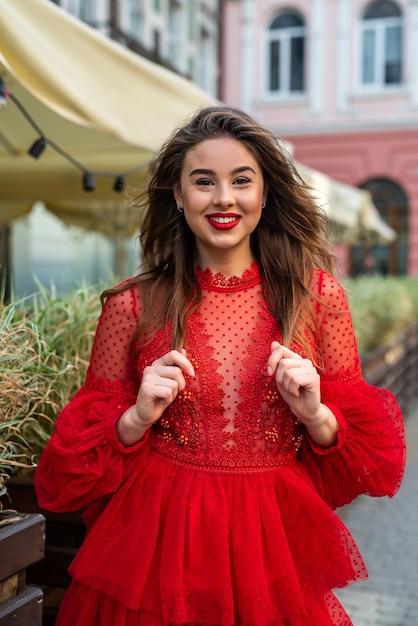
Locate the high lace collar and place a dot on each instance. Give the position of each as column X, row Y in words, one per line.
column 216, row 281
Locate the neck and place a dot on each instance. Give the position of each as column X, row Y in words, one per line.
column 226, row 264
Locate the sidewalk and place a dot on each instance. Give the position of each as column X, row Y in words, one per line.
column 386, row 532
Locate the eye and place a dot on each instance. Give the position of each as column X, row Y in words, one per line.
column 242, row 180
column 203, row 182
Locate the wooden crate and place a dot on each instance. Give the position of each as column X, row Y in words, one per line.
column 22, row 543
column 64, row 535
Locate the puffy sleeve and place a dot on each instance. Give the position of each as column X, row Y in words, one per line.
column 369, row 456
column 84, row 460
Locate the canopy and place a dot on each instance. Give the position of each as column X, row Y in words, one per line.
column 105, row 110
column 106, row 107
column 350, row 209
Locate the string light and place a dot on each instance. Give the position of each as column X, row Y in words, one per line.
column 4, row 93
column 120, row 183
column 39, row 145
column 89, row 184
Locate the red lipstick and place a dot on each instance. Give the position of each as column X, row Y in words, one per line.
column 223, row 221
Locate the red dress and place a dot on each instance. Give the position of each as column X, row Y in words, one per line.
column 222, row 515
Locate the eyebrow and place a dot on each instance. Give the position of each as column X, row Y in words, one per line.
column 237, row 170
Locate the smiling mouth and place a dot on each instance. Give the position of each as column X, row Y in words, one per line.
column 223, row 219
column 223, row 222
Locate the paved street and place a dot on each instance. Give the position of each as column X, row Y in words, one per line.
column 386, row 532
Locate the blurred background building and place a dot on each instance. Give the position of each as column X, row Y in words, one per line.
column 183, row 35
column 339, row 80
column 180, row 35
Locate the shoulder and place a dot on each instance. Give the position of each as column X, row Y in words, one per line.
column 329, row 291
column 123, row 300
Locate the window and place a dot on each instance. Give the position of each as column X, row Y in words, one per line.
column 135, row 18
column 174, row 32
column 85, row 10
column 205, row 61
column 381, row 35
column 391, row 258
column 286, row 54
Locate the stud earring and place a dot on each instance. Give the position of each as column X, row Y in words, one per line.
column 180, row 209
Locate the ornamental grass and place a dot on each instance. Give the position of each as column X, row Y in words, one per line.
column 45, row 344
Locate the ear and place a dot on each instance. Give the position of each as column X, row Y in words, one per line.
column 178, row 196
column 265, row 192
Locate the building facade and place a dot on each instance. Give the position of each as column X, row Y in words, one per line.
column 182, row 35
column 339, row 80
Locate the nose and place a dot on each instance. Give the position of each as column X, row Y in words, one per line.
column 224, row 197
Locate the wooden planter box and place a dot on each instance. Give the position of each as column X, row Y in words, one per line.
column 64, row 534
column 22, row 544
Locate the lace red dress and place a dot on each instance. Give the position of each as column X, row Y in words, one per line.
column 222, row 514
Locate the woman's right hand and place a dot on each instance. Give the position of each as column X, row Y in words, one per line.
column 161, row 382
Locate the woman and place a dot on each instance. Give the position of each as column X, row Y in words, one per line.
column 224, row 415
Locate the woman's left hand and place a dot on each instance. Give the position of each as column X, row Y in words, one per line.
column 297, row 380
column 298, row 383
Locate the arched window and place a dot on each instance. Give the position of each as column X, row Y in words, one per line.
column 391, row 258
column 381, row 44
column 286, row 54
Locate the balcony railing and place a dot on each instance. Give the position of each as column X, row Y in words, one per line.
column 395, row 367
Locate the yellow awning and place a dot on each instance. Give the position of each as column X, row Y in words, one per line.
column 105, row 106
column 349, row 208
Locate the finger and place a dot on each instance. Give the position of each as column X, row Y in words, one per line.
column 161, row 389
column 168, row 390
column 284, row 351
column 177, row 359
column 168, row 376
column 293, row 379
column 279, row 352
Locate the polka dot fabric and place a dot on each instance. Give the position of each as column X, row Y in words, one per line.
column 222, row 514
column 112, row 357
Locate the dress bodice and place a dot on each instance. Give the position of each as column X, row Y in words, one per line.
column 230, row 415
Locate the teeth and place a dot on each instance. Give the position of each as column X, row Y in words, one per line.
column 223, row 220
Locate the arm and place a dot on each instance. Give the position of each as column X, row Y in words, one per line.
column 369, row 454
column 84, row 459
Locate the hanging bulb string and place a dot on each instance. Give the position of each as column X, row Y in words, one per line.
column 43, row 141
column 25, row 114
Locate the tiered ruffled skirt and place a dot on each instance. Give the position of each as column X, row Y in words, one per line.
column 178, row 546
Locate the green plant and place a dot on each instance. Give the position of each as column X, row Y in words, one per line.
column 45, row 344
column 381, row 308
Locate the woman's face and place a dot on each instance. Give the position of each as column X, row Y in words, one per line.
column 221, row 191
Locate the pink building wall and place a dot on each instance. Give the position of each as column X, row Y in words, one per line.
column 358, row 156
column 335, row 125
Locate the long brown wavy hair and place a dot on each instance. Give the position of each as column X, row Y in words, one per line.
column 290, row 239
